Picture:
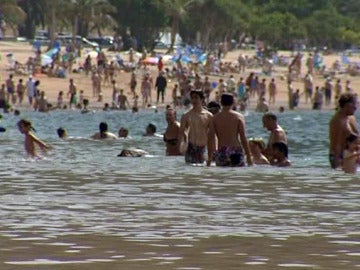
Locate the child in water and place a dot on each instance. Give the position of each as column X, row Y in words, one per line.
column 25, row 127
column 351, row 154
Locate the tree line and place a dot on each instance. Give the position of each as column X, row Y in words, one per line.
column 277, row 23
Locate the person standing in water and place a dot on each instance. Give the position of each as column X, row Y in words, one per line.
column 172, row 133
column 195, row 123
column 277, row 134
column 228, row 127
column 341, row 126
column 25, row 127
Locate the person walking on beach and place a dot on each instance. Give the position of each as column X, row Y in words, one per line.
column 160, row 85
column 72, row 93
column 228, row 127
column 272, row 92
column 277, row 133
column 195, row 123
column 341, row 126
column 30, row 87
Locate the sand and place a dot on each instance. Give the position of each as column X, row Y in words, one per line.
column 21, row 51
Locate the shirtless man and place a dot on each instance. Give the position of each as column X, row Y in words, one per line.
column 172, row 133
column 229, row 128
column 342, row 125
column 195, row 123
column 277, row 134
column 123, row 101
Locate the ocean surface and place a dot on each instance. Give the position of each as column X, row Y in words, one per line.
column 82, row 207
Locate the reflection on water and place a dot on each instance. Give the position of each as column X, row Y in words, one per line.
column 83, row 208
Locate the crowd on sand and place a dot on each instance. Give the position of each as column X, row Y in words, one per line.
column 213, row 122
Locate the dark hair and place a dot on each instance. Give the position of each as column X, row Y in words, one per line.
column 227, row 99
column 103, row 128
column 346, row 98
column 350, row 139
column 61, row 132
column 213, row 105
column 270, row 115
column 199, row 93
column 281, row 147
column 151, row 127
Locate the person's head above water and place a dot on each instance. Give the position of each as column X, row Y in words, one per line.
column 103, row 127
column 123, row 132
column 150, row 129
column 61, row 132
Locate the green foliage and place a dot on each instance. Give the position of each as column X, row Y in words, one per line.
column 280, row 23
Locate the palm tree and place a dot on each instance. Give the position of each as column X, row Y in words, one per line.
column 84, row 13
column 176, row 9
column 11, row 13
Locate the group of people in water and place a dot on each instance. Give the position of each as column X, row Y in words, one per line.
column 221, row 132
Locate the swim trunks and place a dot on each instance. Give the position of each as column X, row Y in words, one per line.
column 229, row 156
column 194, row 154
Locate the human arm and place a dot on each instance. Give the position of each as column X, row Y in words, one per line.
column 244, row 141
column 211, row 141
column 40, row 143
column 182, row 132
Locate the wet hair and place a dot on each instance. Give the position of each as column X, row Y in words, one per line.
column 281, row 147
column 124, row 130
column 270, row 115
column 346, row 98
column 103, row 127
column 151, row 127
column 351, row 139
column 197, row 92
column 26, row 123
column 227, row 99
column 61, row 132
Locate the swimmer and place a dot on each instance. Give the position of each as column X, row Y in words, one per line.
column 257, row 146
column 103, row 133
column 280, row 155
column 351, row 155
column 150, row 131
column 123, row 132
column 25, row 127
column 62, row 133
column 132, row 153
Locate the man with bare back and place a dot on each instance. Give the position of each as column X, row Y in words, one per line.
column 228, row 127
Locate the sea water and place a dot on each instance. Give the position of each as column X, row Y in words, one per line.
column 82, row 207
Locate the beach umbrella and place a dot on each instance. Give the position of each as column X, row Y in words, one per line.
column 46, row 60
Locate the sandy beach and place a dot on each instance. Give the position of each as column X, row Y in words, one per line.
column 21, row 51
